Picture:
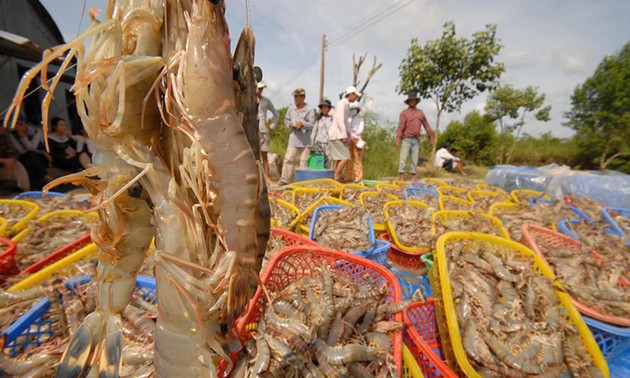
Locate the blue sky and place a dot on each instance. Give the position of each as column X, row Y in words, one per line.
column 552, row 45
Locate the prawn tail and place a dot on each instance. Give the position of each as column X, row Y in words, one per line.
column 239, row 293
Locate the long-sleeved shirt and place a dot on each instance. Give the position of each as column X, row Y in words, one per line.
column 357, row 126
column 301, row 137
column 26, row 143
column 265, row 105
column 442, row 155
column 340, row 126
column 410, row 122
column 321, row 129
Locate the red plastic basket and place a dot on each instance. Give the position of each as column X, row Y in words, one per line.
column 540, row 239
column 57, row 255
column 7, row 258
column 409, row 260
column 303, row 261
column 291, row 238
column 423, row 339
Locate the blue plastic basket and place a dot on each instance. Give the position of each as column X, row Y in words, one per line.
column 37, row 195
column 535, row 201
column 378, row 253
column 612, row 340
column 423, row 185
column 614, row 228
column 319, row 210
column 34, row 327
column 409, row 192
column 410, row 283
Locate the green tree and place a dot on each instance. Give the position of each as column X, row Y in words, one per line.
column 476, row 138
column 451, row 70
column 510, row 107
column 600, row 113
column 280, row 135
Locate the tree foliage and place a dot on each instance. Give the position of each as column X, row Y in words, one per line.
column 451, row 70
column 510, row 107
column 600, row 113
column 476, row 138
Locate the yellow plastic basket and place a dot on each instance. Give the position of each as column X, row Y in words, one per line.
column 3, row 226
column 454, row 203
column 523, row 195
column 492, row 188
column 303, row 220
column 288, row 206
column 67, row 264
column 445, row 307
column 503, row 207
column 434, row 181
column 287, row 196
column 391, row 189
column 305, row 192
column 325, row 184
column 401, row 183
column 392, row 231
column 450, row 215
column 410, row 368
column 54, row 214
column 33, row 209
column 453, row 191
column 378, row 227
column 483, row 199
column 347, row 187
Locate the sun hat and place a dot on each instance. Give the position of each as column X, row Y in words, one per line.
column 261, row 85
column 352, row 89
column 299, row 92
column 325, row 102
column 411, row 96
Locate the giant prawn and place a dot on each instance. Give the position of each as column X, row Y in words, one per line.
column 191, row 180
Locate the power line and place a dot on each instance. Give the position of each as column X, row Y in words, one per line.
column 370, row 21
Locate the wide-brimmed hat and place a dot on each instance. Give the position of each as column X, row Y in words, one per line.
column 261, row 85
column 352, row 89
column 299, row 92
column 325, row 102
column 411, row 96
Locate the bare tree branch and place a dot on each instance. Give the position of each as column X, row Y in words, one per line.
column 373, row 70
column 356, row 67
column 613, row 157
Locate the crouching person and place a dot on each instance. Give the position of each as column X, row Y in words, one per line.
column 445, row 159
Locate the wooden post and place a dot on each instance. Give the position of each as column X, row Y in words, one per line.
column 321, row 69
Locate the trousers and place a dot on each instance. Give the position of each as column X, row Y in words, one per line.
column 291, row 159
column 409, row 148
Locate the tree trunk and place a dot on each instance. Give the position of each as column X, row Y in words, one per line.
column 604, row 163
column 437, row 135
column 602, row 159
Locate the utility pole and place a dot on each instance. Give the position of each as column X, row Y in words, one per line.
column 321, row 69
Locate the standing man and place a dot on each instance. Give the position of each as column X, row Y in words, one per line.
column 339, row 135
column 300, row 118
column 409, row 133
column 265, row 126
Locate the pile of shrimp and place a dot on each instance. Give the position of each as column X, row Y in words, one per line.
column 46, row 236
column 351, row 193
column 327, row 326
column 345, row 229
column 599, row 284
column 469, row 221
column 281, row 213
column 509, row 316
column 412, row 224
column 68, row 306
column 373, row 202
column 48, row 204
column 12, row 212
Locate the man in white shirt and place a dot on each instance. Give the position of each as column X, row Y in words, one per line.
column 445, row 159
